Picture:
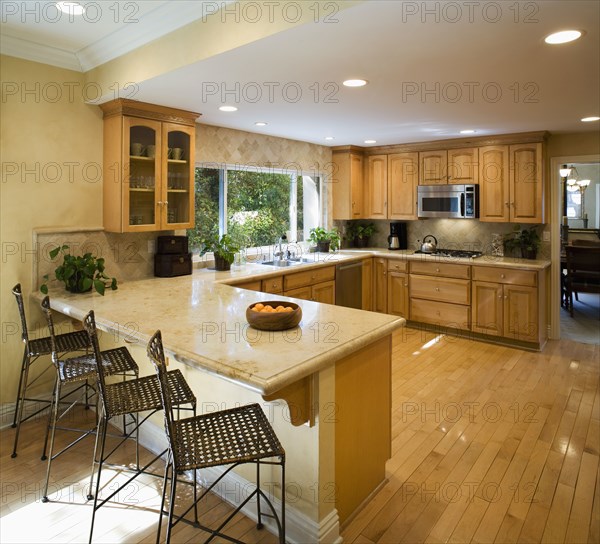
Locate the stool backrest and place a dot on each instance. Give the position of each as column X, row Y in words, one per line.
column 89, row 324
column 156, row 353
column 19, row 296
column 48, row 313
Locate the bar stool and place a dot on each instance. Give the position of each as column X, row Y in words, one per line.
column 129, row 398
column 78, row 369
column 228, row 437
column 34, row 348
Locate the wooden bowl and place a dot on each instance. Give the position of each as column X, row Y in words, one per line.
column 274, row 321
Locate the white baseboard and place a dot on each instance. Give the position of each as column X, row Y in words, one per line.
column 300, row 529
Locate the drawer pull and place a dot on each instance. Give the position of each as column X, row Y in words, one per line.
column 437, row 289
column 437, row 269
column 502, row 276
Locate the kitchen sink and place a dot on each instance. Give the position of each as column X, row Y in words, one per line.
column 290, row 262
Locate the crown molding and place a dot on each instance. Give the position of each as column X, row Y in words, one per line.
column 28, row 50
column 154, row 25
column 159, row 22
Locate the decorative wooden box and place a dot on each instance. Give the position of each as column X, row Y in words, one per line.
column 171, row 245
column 168, row 266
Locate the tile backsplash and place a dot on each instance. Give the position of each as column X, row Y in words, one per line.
column 128, row 256
column 464, row 234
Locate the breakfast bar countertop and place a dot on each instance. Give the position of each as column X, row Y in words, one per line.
column 203, row 324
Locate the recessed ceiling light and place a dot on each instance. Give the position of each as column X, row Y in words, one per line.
column 370, row 141
column 468, row 131
column 329, row 138
column 227, row 108
column 590, row 119
column 355, row 82
column 72, row 8
column 260, row 124
column 564, row 36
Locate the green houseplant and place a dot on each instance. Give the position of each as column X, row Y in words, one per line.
column 223, row 249
column 525, row 241
column 80, row 273
column 360, row 233
column 325, row 239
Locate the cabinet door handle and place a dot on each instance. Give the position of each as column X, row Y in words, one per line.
column 502, row 276
column 437, row 289
column 437, row 270
column 507, row 204
column 505, row 297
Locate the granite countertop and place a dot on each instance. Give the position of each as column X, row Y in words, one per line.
column 203, row 324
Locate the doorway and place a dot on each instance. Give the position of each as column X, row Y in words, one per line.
column 583, row 219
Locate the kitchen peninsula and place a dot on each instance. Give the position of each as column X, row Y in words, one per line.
column 333, row 371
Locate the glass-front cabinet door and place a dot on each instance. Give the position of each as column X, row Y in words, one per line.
column 142, row 174
column 177, row 210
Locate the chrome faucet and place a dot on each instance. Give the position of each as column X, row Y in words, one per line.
column 280, row 253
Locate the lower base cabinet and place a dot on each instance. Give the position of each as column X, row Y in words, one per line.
column 323, row 292
column 380, row 285
column 397, row 288
column 506, row 310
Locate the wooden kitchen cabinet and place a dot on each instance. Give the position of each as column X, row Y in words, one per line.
column 147, row 185
column 380, row 286
column 440, row 294
column 463, row 166
column 377, row 185
column 397, row 292
column 317, row 285
column 433, row 167
column 511, row 180
column 272, row 285
column 403, row 179
column 367, row 284
column 347, row 185
column 251, row 285
column 526, row 183
column 506, row 303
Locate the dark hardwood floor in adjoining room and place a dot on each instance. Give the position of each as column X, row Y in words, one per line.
column 490, row 444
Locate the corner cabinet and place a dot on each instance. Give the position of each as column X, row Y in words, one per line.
column 148, row 180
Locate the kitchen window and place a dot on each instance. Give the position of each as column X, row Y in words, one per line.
column 255, row 206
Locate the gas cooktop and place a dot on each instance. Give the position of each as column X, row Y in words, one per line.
column 458, row 253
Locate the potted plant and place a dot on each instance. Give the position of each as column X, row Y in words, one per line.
column 527, row 241
column 80, row 274
column 325, row 239
column 362, row 233
column 223, row 249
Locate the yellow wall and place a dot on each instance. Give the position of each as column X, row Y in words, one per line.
column 580, row 143
column 41, row 131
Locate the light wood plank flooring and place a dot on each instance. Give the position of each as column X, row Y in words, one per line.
column 490, row 444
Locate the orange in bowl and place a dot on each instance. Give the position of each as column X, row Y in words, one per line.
column 276, row 315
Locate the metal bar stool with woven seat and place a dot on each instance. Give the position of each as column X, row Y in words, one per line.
column 33, row 350
column 229, row 437
column 129, row 398
column 73, row 370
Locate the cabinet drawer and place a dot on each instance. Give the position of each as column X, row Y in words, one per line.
column 440, row 313
column 440, row 289
column 305, row 293
column 254, row 285
column 397, row 266
column 441, row 269
column 505, row 275
column 316, row 275
column 273, row 285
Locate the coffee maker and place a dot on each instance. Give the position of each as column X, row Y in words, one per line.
column 397, row 238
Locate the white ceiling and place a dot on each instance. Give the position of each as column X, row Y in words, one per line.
column 541, row 87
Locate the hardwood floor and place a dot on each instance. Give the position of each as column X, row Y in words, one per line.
column 490, row 444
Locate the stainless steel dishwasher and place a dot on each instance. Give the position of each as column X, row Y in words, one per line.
column 348, row 285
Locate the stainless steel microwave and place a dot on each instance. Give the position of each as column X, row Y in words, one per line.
column 450, row 201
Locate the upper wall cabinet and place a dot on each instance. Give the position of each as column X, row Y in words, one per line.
column 458, row 166
column 347, row 185
column 148, row 180
column 377, row 186
column 403, row 178
column 511, row 183
column 433, row 167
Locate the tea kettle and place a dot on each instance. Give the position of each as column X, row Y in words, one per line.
column 429, row 247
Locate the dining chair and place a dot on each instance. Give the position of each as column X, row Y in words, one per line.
column 583, row 271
